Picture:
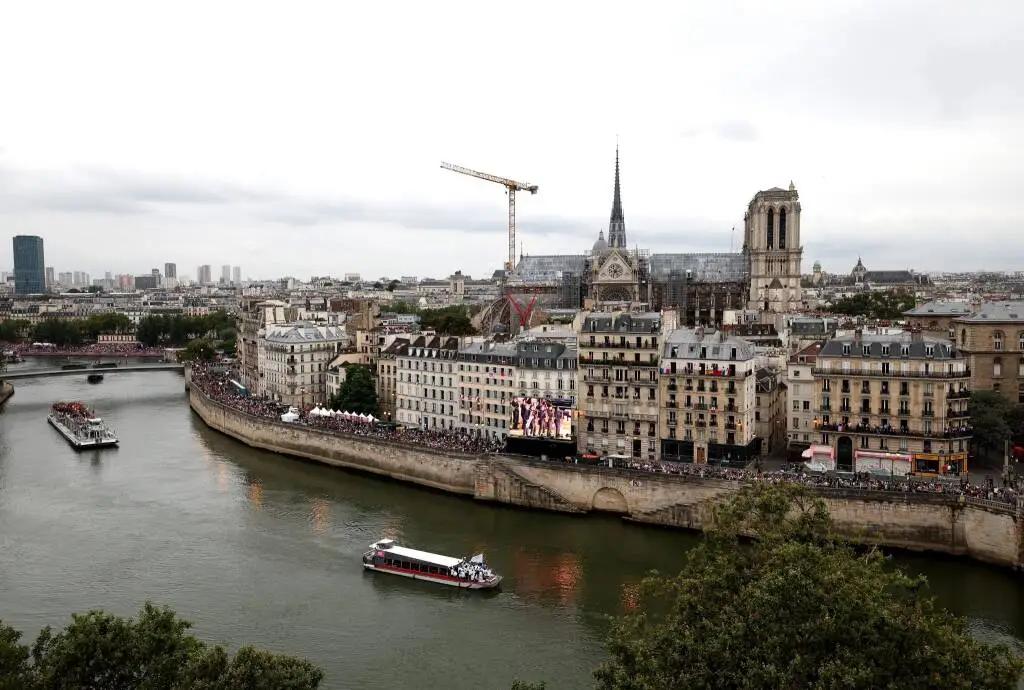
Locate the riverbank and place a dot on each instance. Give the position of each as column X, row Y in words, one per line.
column 986, row 531
column 6, row 391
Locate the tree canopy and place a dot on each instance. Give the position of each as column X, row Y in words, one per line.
column 793, row 607
column 875, row 305
column 452, row 320
column 357, row 394
column 153, row 651
column 177, row 330
column 994, row 419
column 199, row 349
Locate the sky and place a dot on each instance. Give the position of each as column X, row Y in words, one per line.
column 305, row 138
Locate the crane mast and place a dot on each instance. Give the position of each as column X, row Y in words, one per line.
column 511, row 187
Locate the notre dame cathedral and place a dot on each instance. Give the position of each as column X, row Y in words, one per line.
column 763, row 277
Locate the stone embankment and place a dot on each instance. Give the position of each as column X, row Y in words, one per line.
column 6, row 391
column 982, row 530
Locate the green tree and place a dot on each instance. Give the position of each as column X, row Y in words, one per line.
column 58, row 331
column 153, row 650
column 357, row 393
column 116, row 322
column 793, row 608
column 199, row 349
column 453, row 320
column 393, row 284
column 991, row 415
column 14, row 330
column 875, row 305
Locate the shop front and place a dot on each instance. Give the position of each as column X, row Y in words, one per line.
column 939, row 464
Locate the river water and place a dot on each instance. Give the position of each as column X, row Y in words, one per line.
column 257, row 548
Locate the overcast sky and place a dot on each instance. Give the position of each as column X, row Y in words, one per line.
column 304, row 138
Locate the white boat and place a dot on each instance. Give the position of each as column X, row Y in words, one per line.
column 466, row 573
column 80, row 426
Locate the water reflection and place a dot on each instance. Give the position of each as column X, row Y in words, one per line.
column 320, row 516
column 255, row 492
column 547, row 578
column 222, row 477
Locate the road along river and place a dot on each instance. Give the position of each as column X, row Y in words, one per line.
column 254, row 547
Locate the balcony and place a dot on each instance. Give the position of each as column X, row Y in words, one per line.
column 927, row 413
column 963, row 432
column 700, row 406
column 672, row 404
column 597, row 379
column 958, row 395
column 701, row 425
column 823, row 408
column 956, row 414
column 730, row 426
column 863, row 373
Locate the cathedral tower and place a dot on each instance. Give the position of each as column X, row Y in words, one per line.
column 617, row 224
column 771, row 240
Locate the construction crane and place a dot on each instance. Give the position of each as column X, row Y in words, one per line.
column 511, row 186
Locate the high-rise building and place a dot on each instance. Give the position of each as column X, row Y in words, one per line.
column 170, row 270
column 50, row 277
column 225, row 274
column 236, row 275
column 29, row 265
column 204, row 275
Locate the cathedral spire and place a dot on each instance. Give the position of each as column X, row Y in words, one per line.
column 617, row 224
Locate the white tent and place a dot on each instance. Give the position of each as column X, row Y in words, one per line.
column 362, row 417
column 331, row 413
column 316, row 411
column 371, row 418
column 289, row 417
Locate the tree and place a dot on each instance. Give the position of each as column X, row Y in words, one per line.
column 58, row 331
column 13, row 330
column 793, row 608
column 875, row 305
column 199, row 349
column 357, row 393
column 453, row 320
column 393, row 284
column 990, row 413
column 177, row 330
column 153, row 650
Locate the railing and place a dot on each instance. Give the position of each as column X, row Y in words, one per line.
column 889, row 431
column 858, row 373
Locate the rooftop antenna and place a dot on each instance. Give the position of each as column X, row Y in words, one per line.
column 732, row 239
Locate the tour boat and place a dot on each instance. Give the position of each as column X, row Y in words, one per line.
column 466, row 573
column 80, row 426
column 94, row 378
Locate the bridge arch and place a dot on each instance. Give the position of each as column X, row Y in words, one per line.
column 610, row 500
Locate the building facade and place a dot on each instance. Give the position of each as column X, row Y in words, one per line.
column 894, row 402
column 993, row 341
column 29, row 265
column 937, row 318
column 771, row 239
column 618, row 384
column 708, row 396
column 800, row 393
column 386, row 381
column 293, row 360
column 546, row 370
column 487, row 384
column 427, row 385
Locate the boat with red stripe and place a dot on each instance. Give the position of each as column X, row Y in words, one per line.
column 466, row 573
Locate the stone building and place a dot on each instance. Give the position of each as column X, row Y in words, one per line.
column 769, row 409
column 546, row 370
column 937, row 318
column 771, row 240
column 993, row 342
column 895, row 402
column 708, row 398
column 293, row 359
column 386, row 379
column 800, row 387
column 427, row 386
column 618, row 384
column 487, row 383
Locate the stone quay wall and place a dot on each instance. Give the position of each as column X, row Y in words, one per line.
column 982, row 530
column 6, row 391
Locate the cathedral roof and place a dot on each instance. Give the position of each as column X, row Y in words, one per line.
column 708, row 268
column 548, row 267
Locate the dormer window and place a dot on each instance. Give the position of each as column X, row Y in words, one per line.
column 885, row 350
column 866, row 350
column 904, row 350
column 929, row 351
column 846, row 349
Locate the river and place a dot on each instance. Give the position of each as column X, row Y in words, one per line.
column 257, row 548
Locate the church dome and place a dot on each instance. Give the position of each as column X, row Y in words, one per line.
column 600, row 245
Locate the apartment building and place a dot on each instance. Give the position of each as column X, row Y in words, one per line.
column 895, row 402
column 487, row 384
column 292, row 361
column 708, row 398
column 386, row 379
column 618, row 383
column 993, row 342
column 546, row 370
column 937, row 318
column 252, row 321
column 800, row 414
column 427, row 386
column 769, row 409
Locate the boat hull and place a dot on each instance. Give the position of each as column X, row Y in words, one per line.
column 79, row 443
column 459, row 583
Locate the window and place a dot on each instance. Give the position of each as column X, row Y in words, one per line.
column 771, row 229
column 997, row 367
column 963, row 337
column 997, row 340
column 1020, row 341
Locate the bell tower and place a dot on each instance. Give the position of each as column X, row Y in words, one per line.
column 771, row 241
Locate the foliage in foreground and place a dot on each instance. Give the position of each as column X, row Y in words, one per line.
column 794, row 607
column 153, row 651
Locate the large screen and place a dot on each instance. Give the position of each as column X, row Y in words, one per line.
column 540, row 418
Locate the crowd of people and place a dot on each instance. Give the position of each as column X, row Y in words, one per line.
column 217, row 384
column 862, row 481
column 113, row 349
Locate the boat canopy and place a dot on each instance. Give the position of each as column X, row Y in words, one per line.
column 413, row 554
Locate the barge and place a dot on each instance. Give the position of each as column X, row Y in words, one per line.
column 80, row 426
column 465, row 573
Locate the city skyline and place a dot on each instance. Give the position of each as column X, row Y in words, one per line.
column 898, row 152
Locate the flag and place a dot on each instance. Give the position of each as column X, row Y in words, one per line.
column 479, row 558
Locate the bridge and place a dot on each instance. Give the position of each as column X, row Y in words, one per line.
column 43, row 373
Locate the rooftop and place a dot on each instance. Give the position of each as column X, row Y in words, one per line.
column 997, row 312
column 917, row 346
column 940, row 308
column 622, row 322
column 685, row 343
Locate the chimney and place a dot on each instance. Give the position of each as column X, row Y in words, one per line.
column 916, row 335
column 858, row 333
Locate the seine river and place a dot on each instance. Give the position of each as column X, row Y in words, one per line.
column 257, row 548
